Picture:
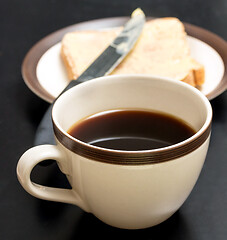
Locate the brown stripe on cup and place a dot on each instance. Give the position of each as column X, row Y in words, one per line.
column 135, row 157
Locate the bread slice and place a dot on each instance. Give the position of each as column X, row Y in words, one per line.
column 162, row 50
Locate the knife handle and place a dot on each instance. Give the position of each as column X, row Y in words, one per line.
column 44, row 133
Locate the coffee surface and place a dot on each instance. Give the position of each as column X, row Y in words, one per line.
column 131, row 130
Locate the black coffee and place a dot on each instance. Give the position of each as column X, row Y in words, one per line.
column 131, row 130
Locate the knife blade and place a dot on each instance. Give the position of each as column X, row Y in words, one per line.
column 103, row 65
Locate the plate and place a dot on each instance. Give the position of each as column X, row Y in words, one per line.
column 44, row 73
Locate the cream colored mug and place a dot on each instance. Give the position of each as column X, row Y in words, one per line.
column 125, row 189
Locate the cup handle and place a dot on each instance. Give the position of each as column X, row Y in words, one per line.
column 29, row 160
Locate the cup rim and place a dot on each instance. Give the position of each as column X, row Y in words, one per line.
column 139, row 157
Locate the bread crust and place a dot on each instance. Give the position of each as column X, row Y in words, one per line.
column 68, row 62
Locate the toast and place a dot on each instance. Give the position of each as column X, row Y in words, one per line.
column 161, row 50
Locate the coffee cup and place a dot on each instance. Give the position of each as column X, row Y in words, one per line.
column 125, row 189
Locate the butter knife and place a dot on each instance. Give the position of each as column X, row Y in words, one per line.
column 103, row 65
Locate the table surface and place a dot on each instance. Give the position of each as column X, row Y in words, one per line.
column 23, row 23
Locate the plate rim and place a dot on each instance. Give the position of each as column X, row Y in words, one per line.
column 31, row 59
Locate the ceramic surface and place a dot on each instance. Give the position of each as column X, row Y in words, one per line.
column 114, row 185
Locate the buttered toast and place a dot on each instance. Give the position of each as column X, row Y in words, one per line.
column 161, row 50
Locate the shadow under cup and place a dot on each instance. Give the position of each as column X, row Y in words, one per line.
column 133, row 189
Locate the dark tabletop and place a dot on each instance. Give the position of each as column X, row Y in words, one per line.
column 22, row 24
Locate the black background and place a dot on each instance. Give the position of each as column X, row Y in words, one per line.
column 22, row 24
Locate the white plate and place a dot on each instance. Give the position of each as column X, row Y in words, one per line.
column 44, row 72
